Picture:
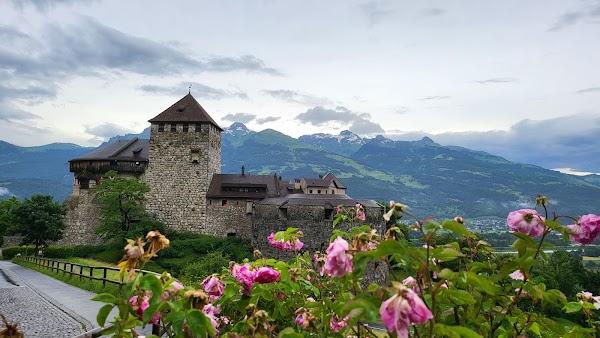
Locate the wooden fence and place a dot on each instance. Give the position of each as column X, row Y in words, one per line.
column 75, row 269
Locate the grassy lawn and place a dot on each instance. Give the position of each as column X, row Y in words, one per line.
column 82, row 283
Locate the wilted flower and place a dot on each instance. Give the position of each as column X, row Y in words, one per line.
column 586, row 296
column 403, row 309
column 410, row 282
column 197, row 298
column 157, row 242
column 212, row 312
column 396, row 209
column 266, row 275
column 134, row 249
column 517, row 275
column 338, row 261
column 303, row 318
column 586, row 230
column 526, row 221
column 214, row 287
column 365, row 241
column 337, row 325
column 244, row 275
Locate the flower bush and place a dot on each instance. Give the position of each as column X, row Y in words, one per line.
column 431, row 287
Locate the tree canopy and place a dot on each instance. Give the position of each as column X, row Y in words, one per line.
column 39, row 220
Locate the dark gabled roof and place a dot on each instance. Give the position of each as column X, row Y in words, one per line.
column 331, row 178
column 316, row 200
column 271, row 184
column 316, row 182
column 134, row 150
column 185, row 110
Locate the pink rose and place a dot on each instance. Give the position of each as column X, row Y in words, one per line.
column 402, row 310
column 244, row 275
column 517, row 275
column 212, row 312
column 295, row 245
column 266, row 275
column 175, row 286
column 338, row 261
column 155, row 318
column 336, row 325
column 586, row 230
column 526, row 221
column 213, row 287
column 360, row 212
column 139, row 306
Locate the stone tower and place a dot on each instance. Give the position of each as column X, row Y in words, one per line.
column 184, row 154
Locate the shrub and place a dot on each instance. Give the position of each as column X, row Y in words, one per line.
column 194, row 273
column 11, row 252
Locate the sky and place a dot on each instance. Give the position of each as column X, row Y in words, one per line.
column 467, row 72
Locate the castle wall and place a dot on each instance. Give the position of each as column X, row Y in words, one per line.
column 311, row 220
column 230, row 219
column 82, row 219
column 181, row 165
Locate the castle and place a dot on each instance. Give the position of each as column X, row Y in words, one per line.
column 181, row 163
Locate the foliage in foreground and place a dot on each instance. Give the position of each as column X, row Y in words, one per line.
column 456, row 289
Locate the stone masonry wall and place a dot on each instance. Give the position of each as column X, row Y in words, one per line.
column 232, row 218
column 82, row 219
column 310, row 219
column 178, row 186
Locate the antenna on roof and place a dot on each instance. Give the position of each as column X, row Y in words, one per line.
column 190, row 89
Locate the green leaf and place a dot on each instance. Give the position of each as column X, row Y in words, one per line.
column 457, row 228
column 535, row 328
column 571, row 307
column 289, row 332
column 152, row 283
column 199, row 323
column 105, row 298
column 442, row 330
column 446, row 254
column 103, row 314
column 481, row 283
column 458, row 297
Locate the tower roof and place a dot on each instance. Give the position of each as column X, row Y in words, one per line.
column 185, row 110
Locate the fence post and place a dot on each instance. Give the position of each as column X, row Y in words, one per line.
column 71, row 268
column 104, row 277
column 80, row 271
column 91, row 271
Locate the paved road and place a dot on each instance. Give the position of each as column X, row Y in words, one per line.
column 43, row 306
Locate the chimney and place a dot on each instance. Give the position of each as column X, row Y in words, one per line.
column 243, row 171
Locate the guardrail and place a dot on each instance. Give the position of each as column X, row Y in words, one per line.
column 76, row 269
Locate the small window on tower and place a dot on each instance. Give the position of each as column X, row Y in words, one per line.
column 185, row 127
column 328, row 213
column 197, row 127
column 173, row 127
column 195, row 155
column 161, row 127
column 84, row 183
column 318, row 191
column 223, row 202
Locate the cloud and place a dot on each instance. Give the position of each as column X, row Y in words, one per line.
column 574, row 172
column 91, row 48
column 240, row 117
column 198, row 90
column 438, row 97
column 4, row 191
column 8, row 113
column 375, row 11
column 564, row 142
column 359, row 123
column 107, row 130
column 497, row 80
column 588, row 90
column 401, row 110
column 297, row 97
column 571, row 18
column 433, row 12
column 267, row 119
column 45, row 5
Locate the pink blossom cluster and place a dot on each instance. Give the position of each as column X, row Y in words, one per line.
column 589, row 297
column 247, row 276
column 213, row 286
column 141, row 304
column 295, row 245
column 336, row 325
column 360, row 212
column 403, row 309
column 338, row 261
column 586, row 230
column 526, row 221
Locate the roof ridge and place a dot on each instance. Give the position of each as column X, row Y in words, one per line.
column 122, row 148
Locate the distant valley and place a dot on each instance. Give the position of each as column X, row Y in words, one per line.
column 433, row 179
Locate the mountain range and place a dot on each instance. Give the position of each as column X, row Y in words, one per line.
column 433, row 179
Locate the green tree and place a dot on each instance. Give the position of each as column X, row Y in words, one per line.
column 121, row 202
column 39, row 219
column 7, row 216
column 563, row 271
